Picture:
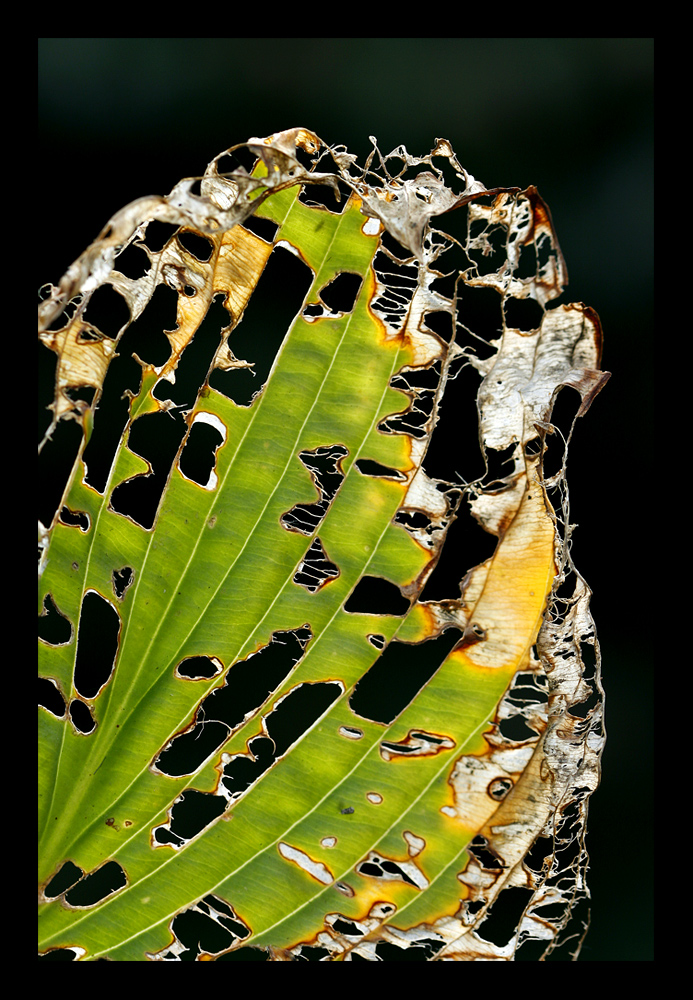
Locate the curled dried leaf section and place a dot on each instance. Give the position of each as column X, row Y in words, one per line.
column 370, row 857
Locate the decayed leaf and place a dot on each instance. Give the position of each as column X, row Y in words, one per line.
column 258, row 760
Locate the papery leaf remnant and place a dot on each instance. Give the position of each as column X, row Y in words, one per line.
column 261, row 725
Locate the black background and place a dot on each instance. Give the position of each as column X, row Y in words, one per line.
column 121, row 118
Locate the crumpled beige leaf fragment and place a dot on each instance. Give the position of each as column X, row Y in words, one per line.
column 521, row 380
column 84, row 355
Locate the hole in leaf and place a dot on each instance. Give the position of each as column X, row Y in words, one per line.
column 503, row 918
column 107, row 311
column 479, row 319
column 374, row 596
column 369, row 468
column 275, row 303
column 190, row 814
column 133, row 261
column 323, row 195
column 316, row 569
column 209, row 927
column 421, row 386
column 324, row 465
column 522, row 314
column 75, row 518
column 97, row 886
column 263, row 228
column 487, row 858
column 196, row 668
column 244, row 769
column 97, row 644
column 81, row 717
column 50, row 697
column 196, row 359
column 198, row 458
column 156, row 437
column 249, row 682
column 298, row 711
column 341, row 293
column 124, row 376
column 377, row 867
column 66, row 876
column 398, row 675
column 122, row 581
column 516, row 729
column 286, row 723
column 196, row 244
column 466, row 545
column 188, row 751
column 246, row 687
column 158, row 234
column 54, row 627
column 458, row 421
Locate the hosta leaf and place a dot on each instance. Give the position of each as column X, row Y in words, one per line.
column 257, row 730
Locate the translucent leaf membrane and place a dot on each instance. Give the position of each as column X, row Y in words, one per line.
column 257, row 730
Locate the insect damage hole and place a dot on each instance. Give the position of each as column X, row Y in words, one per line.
column 316, row 569
column 81, row 717
column 246, row 686
column 122, row 580
column 324, row 465
column 276, row 301
column 97, row 644
column 55, row 628
column 341, row 293
column 99, row 884
column 197, row 461
column 209, row 927
column 51, row 697
column 398, row 675
column 292, row 716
